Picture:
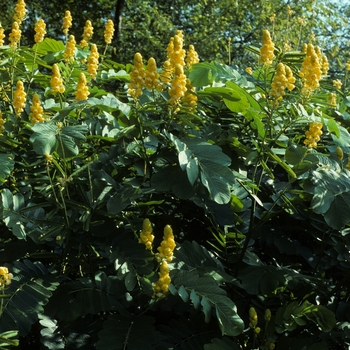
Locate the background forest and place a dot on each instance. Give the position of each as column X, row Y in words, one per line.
column 174, row 176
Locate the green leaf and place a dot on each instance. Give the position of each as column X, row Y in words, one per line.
column 331, row 196
column 211, row 296
column 127, row 332
column 221, row 344
column 44, row 137
column 295, row 154
column 202, row 74
column 48, row 45
column 7, row 164
column 333, row 127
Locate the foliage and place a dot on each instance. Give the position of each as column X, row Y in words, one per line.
column 260, row 220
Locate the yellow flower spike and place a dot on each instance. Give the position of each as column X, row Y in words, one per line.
column 87, row 34
column 332, row 99
column 48, row 158
column 313, row 135
column 177, row 56
column 178, row 86
column 69, row 52
column 267, row 315
column 310, row 71
column 165, row 76
column 146, row 236
column 36, row 110
column 279, row 82
column 152, row 80
column 190, row 98
column 161, row 287
column 40, row 31
column 267, row 49
column 137, row 77
column 19, row 98
column 192, row 57
column 253, row 318
column 20, row 11
column 15, row 35
column 249, row 70
column 56, row 80
column 67, row 22
column 2, row 35
column 5, row 276
column 82, row 92
column 109, row 32
column 167, row 246
column 337, row 83
column 92, row 61
column 290, row 77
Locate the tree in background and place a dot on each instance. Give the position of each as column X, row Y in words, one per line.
column 218, row 29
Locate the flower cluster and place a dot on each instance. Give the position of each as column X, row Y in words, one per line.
column 82, row 92
column 310, row 71
column 5, row 276
column 137, row 77
column 87, row 34
column 253, row 318
column 178, row 86
column 190, row 98
column 161, row 287
column 282, row 80
column 2, row 35
column 146, row 236
column 20, row 11
column 36, row 110
column 192, row 56
column 167, row 246
column 332, row 99
column 67, row 22
column 40, row 31
column 337, row 83
column 109, row 32
column 15, row 35
column 19, row 98
column 69, row 51
column 176, row 52
column 267, row 49
column 56, row 80
column 151, row 76
column 92, row 62
column 313, row 135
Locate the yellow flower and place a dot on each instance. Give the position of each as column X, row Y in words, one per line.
column 290, row 77
column 36, row 110
column 151, row 76
column 82, row 92
column 310, row 71
column 249, row 70
column 15, row 35
column 279, row 82
column 313, row 135
column 178, row 86
column 161, row 287
column 2, row 36
column 56, row 80
column 165, row 76
column 19, row 98
column 92, row 61
column 67, row 22
column 177, row 55
column 167, row 246
column 5, row 276
column 332, row 99
column 137, row 77
column 267, row 49
column 190, row 98
column 20, row 11
column 337, row 83
column 48, row 157
column 253, row 318
column 87, row 35
column 146, row 236
column 192, row 56
column 267, row 315
column 70, row 49
column 40, row 31
column 109, row 32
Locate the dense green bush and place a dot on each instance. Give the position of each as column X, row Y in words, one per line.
column 260, row 218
